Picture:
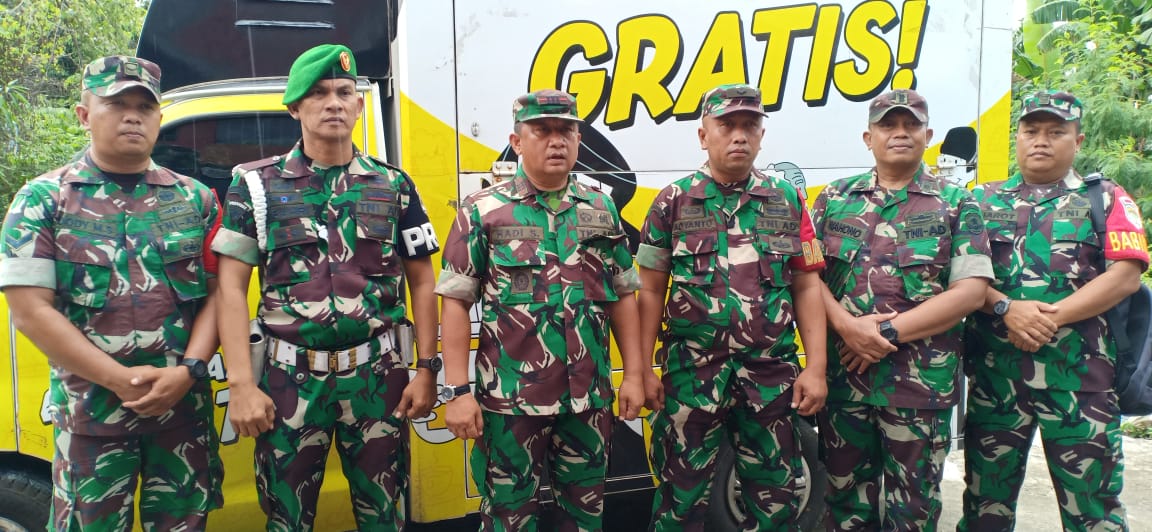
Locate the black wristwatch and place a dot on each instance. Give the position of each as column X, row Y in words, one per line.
column 1000, row 308
column 434, row 364
column 449, row 392
column 888, row 331
column 196, row 368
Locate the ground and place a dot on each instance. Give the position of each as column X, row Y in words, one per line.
column 1038, row 510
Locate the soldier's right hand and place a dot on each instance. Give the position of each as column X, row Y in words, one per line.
column 122, row 385
column 250, row 409
column 1030, row 323
column 653, row 391
column 862, row 336
column 462, row 415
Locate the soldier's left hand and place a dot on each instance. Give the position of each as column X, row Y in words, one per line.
column 809, row 392
column 854, row 362
column 169, row 385
column 419, row 396
column 631, row 397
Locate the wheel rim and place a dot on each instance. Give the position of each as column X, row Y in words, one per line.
column 735, row 493
column 8, row 525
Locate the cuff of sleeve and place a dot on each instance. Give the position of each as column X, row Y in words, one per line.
column 237, row 245
column 458, row 286
column 654, row 258
column 965, row 266
column 626, row 281
column 22, row 271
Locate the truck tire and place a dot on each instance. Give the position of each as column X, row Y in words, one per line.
column 726, row 509
column 25, row 502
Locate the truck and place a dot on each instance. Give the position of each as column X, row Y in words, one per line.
column 438, row 78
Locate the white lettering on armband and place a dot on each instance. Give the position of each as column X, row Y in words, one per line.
column 416, row 238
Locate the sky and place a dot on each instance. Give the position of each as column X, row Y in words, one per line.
column 1017, row 10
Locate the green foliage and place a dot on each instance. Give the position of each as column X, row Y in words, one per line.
column 1135, row 430
column 44, row 45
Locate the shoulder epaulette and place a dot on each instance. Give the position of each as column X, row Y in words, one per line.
column 254, row 165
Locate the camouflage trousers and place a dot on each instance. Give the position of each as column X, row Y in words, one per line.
column 94, row 479
column 508, row 462
column 1081, row 436
column 355, row 405
column 686, row 442
column 867, row 448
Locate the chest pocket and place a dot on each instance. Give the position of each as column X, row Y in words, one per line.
column 1075, row 247
column 293, row 251
column 518, row 267
column 84, row 268
column 376, row 221
column 774, row 252
column 694, row 257
column 596, row 250
column 923, row 251
column 183, row 256
column 1002, row 226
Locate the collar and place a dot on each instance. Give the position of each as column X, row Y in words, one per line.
column 522, row 188
column 84, row 171
column 705, row 186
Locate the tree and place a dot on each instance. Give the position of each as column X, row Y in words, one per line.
column 44, row 45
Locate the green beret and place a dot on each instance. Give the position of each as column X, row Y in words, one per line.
column 327, row 61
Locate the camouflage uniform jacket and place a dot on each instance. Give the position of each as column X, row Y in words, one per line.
column 729, row 312
column 889, row 251
column 331, row 274
column 542, row 278
column 1044, row 249
column 128, row 272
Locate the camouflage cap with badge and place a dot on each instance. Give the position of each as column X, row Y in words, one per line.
column 731, row 98
column 326, row 61
column 1059, row 103
column 114, row 74
column 546, row 103
column 898, row 99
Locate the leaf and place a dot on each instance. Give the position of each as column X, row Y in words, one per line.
column 1056, row 11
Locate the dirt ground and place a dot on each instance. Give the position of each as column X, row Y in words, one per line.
column 1037, row 510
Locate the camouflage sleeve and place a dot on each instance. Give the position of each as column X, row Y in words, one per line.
column 818, row 209
column 971, row 256
column 655, row 251
column 415, row 229
column 237, row 235
column 812, row 259
column 465, row 258
column 625, row 279
column 1124, row 228
column 29, row 245
column 212, row 220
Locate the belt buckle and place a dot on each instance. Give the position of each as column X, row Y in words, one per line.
column 333, row 361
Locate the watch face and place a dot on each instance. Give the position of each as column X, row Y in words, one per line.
column 1001, row 307
column 197, row 368
column 446, row 394
column 435, row 364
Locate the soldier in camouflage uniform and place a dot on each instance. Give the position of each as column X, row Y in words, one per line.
column 1042, row 354
column 741, row 253
column 332, row 231
column 907, row 260
column 548, row 262
column 107, row 270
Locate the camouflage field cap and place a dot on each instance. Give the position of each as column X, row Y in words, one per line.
column 898, row 99
column 113, row 74
column 731, row 98
column 1059, row 103
column 326, row 61
column 546, row 103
